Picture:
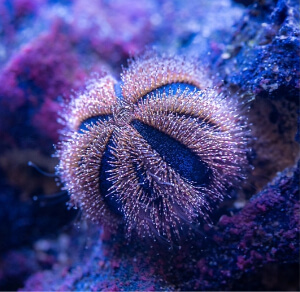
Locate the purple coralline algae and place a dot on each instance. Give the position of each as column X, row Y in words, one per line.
column 49, row 49
column 241, row 251
column 261, row 60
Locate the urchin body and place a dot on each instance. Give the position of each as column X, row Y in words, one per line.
column 154, row 150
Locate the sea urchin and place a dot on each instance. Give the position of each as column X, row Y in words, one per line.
column 153, row 150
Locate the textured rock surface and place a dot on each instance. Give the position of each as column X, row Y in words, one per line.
column 240, row 252
column 262, row 59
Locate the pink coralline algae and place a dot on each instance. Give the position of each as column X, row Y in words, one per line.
column 115, row 34
column 43, row 72
column 49, row 67
column 239, row 251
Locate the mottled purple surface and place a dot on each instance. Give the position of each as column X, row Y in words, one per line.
column 48, row 49
column 262, row 55
column 245, row 251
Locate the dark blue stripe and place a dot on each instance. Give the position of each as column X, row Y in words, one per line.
column 91, row 121
column 172, row 88
column 110, row 200
column 178, row 156
column 118, row 90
